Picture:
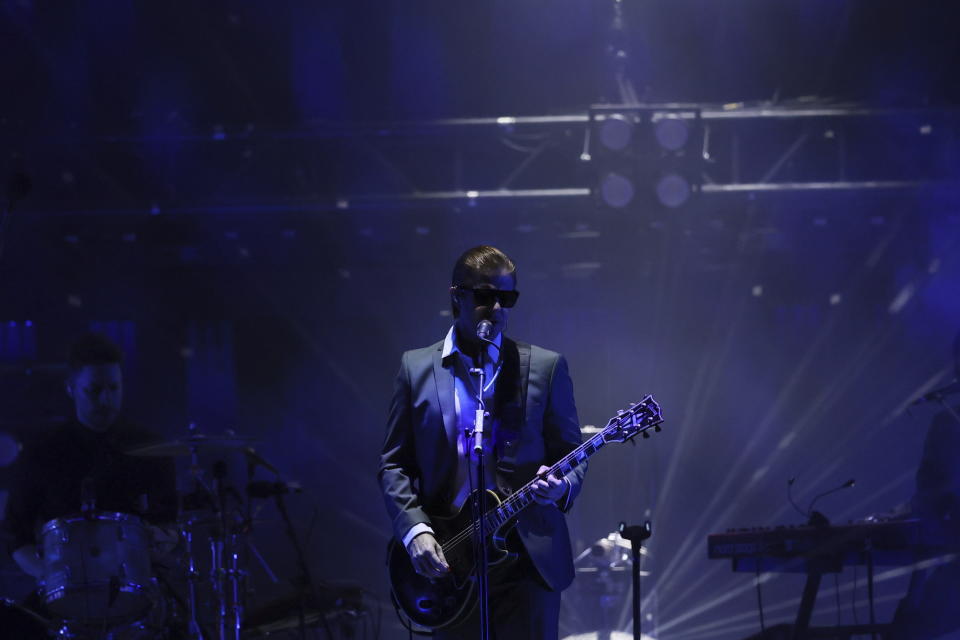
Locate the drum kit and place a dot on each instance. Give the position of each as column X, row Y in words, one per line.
column 112, row 576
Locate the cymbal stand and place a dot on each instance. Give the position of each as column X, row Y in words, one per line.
column 226, row 579
column 186, row 532
column 217, row 540
column 235, row 575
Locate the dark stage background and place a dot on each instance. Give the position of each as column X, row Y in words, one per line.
column 202, row 192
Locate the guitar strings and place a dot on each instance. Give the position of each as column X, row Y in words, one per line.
column 468, row 533
column 597, row 440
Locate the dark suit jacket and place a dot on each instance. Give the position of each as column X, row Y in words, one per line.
column 538, row 425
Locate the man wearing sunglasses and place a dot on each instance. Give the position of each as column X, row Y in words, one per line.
column 427, row 464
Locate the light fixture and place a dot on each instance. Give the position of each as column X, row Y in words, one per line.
column 671, row 131
column 673, row 190
column 616, row 132
column 616, row 190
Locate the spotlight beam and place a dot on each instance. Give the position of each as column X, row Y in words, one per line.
column 816, row 410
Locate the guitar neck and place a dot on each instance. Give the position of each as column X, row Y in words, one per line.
column 522, row 497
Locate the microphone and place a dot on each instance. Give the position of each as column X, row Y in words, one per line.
column 936, row 394
column 267, row 489
column 817, row 518
column 790, row 497
column 484, row 330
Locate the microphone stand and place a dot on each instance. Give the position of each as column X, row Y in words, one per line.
column 636, row 534
column 480, row 502
column 817, row 519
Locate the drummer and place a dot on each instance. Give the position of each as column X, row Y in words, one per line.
column 81, row 464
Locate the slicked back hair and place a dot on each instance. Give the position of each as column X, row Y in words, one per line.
column 93, row 349
column 481, row 260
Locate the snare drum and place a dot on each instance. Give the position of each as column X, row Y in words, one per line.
column 96, row 567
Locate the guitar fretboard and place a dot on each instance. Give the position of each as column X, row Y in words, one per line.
column 626, row 424
column 518, row 500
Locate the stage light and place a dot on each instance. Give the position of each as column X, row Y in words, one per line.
column 673, row 190
column 671, row 131
column 616, row 190
column 616, row 132
column 644, row 157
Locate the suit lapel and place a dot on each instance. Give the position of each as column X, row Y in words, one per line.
column 444, row 381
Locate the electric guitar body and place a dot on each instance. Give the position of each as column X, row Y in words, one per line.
column 436, row 604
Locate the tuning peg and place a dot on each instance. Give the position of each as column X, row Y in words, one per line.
column 646, row 435
column 657, row 429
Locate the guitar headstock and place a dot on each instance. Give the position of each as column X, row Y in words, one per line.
column 638, row 418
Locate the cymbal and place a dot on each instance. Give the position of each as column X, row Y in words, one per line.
column 187, row 445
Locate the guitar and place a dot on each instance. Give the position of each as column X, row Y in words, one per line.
column 444, row 602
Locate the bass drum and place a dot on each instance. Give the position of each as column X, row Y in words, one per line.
column 97, row 568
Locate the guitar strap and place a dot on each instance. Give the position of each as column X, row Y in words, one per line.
column 510, row 401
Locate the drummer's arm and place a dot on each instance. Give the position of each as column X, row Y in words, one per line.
column 28, row 560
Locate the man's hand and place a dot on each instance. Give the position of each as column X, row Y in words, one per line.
column 427, row 556
column 548, row 489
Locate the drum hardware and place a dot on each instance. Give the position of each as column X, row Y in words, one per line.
column 96, row 566
column 99, row 583
column 227, row 519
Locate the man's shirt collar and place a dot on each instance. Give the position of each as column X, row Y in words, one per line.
column 450, row 346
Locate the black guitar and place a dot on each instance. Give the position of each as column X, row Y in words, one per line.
column 441, row 603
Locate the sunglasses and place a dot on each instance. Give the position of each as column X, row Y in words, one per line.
column 488, row 297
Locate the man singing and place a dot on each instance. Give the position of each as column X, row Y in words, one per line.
column 427, row 465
